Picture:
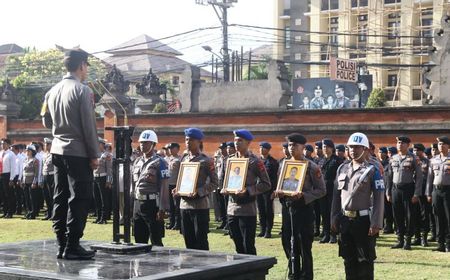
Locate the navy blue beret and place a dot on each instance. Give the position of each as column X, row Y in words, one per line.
column 223, row 145
column 383, row 150
column 404, row 139
column 244, row 134
column 296, row 138
column 419, row 146
column 393, row 150
column 230, row 144
column 340, row 148
column 318, row 144
column 328, row 143
column 309, row 147
column 265, row 145
column 285, row 145
column 428, row 151
column 193, row 132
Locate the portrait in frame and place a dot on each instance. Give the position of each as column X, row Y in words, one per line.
column 187, row 178
column 292, row 177
column 235, row 175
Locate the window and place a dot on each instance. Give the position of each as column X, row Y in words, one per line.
column 287, row 37
column 427, row 23
column 298, row 38
column 392, row 80
column 393, row 29
column 333, row 36
column 175, row 80
column 298, row 56
column 330, row 5
column 298, row 21
column 362, row 18
column 334, row 20
column 359, row 3
column 392, row 1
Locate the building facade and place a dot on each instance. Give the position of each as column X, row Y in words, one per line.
column 390, row 37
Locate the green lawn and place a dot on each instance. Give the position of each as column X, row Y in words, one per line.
column 420, row 263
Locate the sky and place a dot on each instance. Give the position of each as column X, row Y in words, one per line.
column 97, row 25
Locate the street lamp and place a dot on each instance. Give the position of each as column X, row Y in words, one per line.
column 209, row 49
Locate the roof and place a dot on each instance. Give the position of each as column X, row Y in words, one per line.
column 143, row 44
column 10, row 49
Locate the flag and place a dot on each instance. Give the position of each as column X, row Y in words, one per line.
column 173, row 106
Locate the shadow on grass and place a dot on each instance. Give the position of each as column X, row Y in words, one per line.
column 413, row 263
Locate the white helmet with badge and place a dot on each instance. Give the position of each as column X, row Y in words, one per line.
column 358, row 139
column 148, row 135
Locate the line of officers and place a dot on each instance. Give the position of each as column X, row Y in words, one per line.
column 348, row 185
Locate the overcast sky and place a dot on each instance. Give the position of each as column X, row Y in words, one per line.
column 97, row 25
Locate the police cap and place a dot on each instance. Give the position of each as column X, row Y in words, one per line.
column 318, row 144
column 174, row 145
column 392, row 150
column 265, row 145
column 328, row 142
column 419, row 146
column 296, row 138
column 340, row 148
column 383, row 150
column 428, row 151
column 404, row 139
column 223, row 145
column 193, row 132
column 244, row 134
column 76, row 56
column 309, row 148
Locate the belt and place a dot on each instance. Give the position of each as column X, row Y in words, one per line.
column 357, row 213
column 49, row 173
column 28, row 174
column 101, row 175
column 442, row 187
column 152, row 196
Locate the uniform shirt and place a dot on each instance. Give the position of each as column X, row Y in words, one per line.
column 329, row 169
column 405, row 170
column 272, row 166
column 174, row 169
column 207, row 182
column 256, row 182
column 68, row 111
column 104, row 167
column 40, row 157
column 424, row 164
column 47, row 165
column 150, row 177
column 359, row 189
column 438, row 173
column 320, row 160
column 9, row 163
column 313, row 186
column 31, row 171
column 21, row 161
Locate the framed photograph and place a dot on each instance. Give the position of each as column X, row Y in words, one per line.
column 187, row 178
column 292, row 177
column 235, row 174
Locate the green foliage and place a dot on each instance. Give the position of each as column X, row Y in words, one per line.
column 259, row 71
column 159, row 108
column 35, row 72
column 376, row 99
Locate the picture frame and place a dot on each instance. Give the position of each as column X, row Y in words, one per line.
column 187, row 178
column 235, row 175
column 292, row 177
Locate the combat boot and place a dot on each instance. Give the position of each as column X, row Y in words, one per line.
column 417, row 240
column 440, row 248
column 399, row 244
column 424, row 240
column 74, row 251
column 407, row 245
column 61, row 240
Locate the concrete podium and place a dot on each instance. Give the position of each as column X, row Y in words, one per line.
column 36, row 260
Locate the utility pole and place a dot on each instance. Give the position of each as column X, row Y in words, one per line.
column 220, row 7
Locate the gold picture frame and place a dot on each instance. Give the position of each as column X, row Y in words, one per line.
column 292, row 177
column 235, row 175
column 187, row 178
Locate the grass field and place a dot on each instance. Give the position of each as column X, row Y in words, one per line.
column 420, row 263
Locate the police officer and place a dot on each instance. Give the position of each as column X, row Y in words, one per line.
column 7, row 178
column 30, row 183
column 68, row 110
column 174, row 168
column 357, row 211
column 388, row 216
column 340, row 152
column 298, row 214
column 264, row 200
column 242, row 205
column 438, row 192
column 150, row 187
column 195, row 207
column 103, row 180
column 319, row 159
column 329, row 170
column 220, row 199
column 404, row 190
column 309, row 149
column 423, row 208
column 48, row 172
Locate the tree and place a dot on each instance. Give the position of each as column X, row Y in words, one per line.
column 35, row 72
column 376, row 99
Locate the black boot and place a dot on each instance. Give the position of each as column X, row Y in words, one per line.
column 423, row 240
column 262, row 233
column 74, row 251
column 399, row 244
column 417, row 240
column 325, row 239
column 333, row 239
column 407, row 245
column 61, row 240
column 440, row 248
column 268, row 233
column 432, row 237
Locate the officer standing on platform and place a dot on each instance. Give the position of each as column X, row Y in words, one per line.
column 48, row 172
column 298, row 214
column 357, row 211
column 195, row 208
column 242, row 205
column 438, row 192
column 174, row 168
column 264, row 200
column 150, row 187
column 404, row 189
column 68, row 110
column 103, row 180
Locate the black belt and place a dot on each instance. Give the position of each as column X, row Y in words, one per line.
column 442, row 187
column 404, row 186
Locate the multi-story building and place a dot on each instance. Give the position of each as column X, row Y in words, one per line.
column 390, row 37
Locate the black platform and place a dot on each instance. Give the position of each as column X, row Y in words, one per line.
column 37, row 260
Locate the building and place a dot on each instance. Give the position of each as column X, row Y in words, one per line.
column 391, row 37
column 8, row 50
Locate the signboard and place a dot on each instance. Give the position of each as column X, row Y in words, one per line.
column 343, row 70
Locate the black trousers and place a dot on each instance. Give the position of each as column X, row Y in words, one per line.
column 175, row 216
column 100, row 197
column 422, row 216
column 357, row 248
column 146, row 227
column 243, row 231
column 9, row 203
column 403, row 210
column 19, row 196
column 194, row 226
column 302, row 231
column 388, row 215
column 265, row 211
column 221, row 206
column 316, row 207
column 48, row 189
column 441, row 206
column 325, row 209
column 73, row 193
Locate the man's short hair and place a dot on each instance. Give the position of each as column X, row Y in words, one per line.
column 74, row 58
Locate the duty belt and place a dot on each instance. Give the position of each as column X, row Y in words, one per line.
column 152, row 196
column 100, row 175
column 442, row 187
column 356, row 213
column 28, row 174
column 49, row 173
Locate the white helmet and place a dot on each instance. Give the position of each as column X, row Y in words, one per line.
column 148, row 135
column 358, row 139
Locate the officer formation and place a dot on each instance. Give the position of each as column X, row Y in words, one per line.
column 348, row 194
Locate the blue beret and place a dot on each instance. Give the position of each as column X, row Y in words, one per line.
column 404, row 139
column 383, row 150
column 285, row 145
column 193, row 132
column 419, row 146
column 309, row 147
column 393, row 150
column 328, row 143
column 318, row 144
column 244, row 134
column 223, row 145
column 428, row 151
column 265, row 145
column 340, row 148
column 444, row 139
column 230, row 144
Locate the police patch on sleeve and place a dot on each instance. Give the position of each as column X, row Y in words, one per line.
column 163, row 169
column 378, row 182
